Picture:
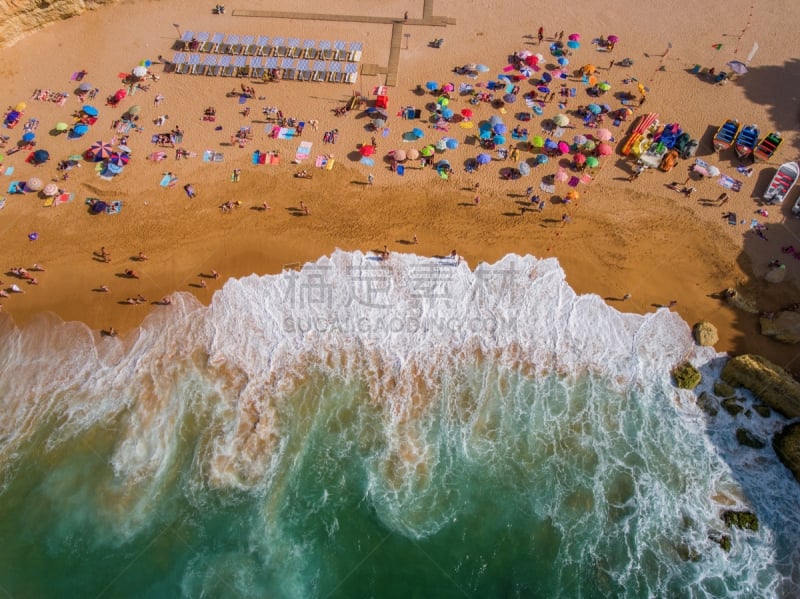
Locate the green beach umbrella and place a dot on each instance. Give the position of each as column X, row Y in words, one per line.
column 537, row 141
column 592, row 162
column 426, row 151
column 605, row 86
column 589, row 145
column 61, row 127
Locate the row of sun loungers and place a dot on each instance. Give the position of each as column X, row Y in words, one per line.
column 256, row 66
column 250, row 45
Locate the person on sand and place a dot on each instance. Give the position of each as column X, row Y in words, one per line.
column 142, row 257
column 214, row 274
column 104, row 288
column 265, row 206
column 166, row 300
column 304, row 208
column 131, row 274
column 189, row 189
column 203, row 283
column 415, row 240
column 104, row 255
column 37, row 267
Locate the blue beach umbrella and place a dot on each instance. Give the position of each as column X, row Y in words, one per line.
column 29, row 136
column 447, row 113
column 495, row 119
column 483, row 158
column 574, row 44
column 431, row 86
column 594, row 108
column 499, row 139
column 549, row 144
column 563, row 61
column 89, row 110
column 485, row 134
column 80, row 129
column 547, row 77
column 524, row 169
column 451, row 143
column 418, row 133
column 543, row 89
column 499, row 129
column 482, row 68
column 542, row 159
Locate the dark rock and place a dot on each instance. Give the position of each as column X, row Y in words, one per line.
column 725, row 543
column 744, row 520
column 762, row 410
column 723, row 389
column 770, row 383
column 707, row 403
column 731, row 406
column 787, row 445
column 686, row 376
column 745, row 437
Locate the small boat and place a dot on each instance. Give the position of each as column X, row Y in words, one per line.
column 726, row 134
column 669, row 161
column 782, row 183
column 645, row 122
column 767, row 147
column 746, row 141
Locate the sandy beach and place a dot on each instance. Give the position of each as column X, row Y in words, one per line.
column 624, row 237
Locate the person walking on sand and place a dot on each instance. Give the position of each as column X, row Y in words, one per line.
column 416, row 241
column 565, row 219
column 370, row 179
column 540, row 34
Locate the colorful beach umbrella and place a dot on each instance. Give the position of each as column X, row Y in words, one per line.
column 550, row 144
column 427, row 151
column 563, row 147
column 509, row 98
column 441, row 145
column 594, row 108
column 579, row 140
column 542, row 159
column 561, row 176
column 604, row 149
column 34, row 184
column 573, row 195
column 481, row 68
column 89, row 110
column 139, row 71
column 561, row 120
column 499, row 139
column 499, row 129
column 605, row 86
column 28, row 136
column 100, row 150
column 537, row 141
column 50, row 190
column 603, row 134
column 85, row 86
column 80, row 129
column 431, row 86
column 61, row 126
column 452, row 143
column 418, row 133
column 466, row 112
column 547, row 77
column 20, row 107
column 412, row 154
column 589, row 145
column 366, row 150
column 443, row 100
column 563, row 61
column 378, row 123
column 613, row 39
column 574, row 45
column 592, row 162
column 574, row 37
column 399, row 155
column 447, row 113
column 579, row 158
column 41, row 156
column 737, row 67
column 483, row 158
column 524, row 169
column 543, row 89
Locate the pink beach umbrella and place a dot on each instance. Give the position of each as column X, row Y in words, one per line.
column 412, row 154
column 603, row 134
column 561, row 176
column 574, row 37
column 399, row 155
column 613, row 39
column 604, row 149
column 563, row 147
column 448, row 87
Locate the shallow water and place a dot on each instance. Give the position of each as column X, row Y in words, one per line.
column 363, row 428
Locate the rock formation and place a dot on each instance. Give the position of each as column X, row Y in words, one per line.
column 20, row 17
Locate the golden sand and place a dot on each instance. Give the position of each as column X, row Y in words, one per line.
column 637, row 238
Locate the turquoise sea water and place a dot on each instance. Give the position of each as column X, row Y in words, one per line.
column 380, row 429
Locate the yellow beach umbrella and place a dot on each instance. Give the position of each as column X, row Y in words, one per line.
column 20, row 107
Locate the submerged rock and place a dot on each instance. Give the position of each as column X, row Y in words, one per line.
column 745, row 437
column 740, row 519
column 762, row 410
column 707, row 403
column 705, row 333
column 770, row 383
column 732, row 406
column 787, row 445
column 723, row 389
column 686, row 376
column 784, row 326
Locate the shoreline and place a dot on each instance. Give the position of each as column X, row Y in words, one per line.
column 625, row 238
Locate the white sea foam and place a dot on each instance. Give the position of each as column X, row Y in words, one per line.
column 497, row 367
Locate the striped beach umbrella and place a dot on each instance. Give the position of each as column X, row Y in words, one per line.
column 100, row 150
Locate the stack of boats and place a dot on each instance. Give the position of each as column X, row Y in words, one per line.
column 659, row 146
column 745, row 140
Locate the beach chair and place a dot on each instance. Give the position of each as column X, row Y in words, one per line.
column 282, row 51
column 249, row 47
column 256, row 68
column 212, row 69
column 288, row 70
column 225, row 67
column 721, row 76
column 234, row 45
column 263, row 45
column 320, row 71
column 200, row 41
column 295, row 51
column 271, row 63
column 695, row 69
column 212, row 45
column 309, row 51
column 354, row 51
column 186, row 39
column 179, row 65
column 240, row 66
column 196, row 64
column 351, row 72
column 303, row 70
column 339, row 52
column 275, row 45
column 335, row 72
column 325, row 51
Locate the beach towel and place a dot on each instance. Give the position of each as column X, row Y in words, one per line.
column 272, row 130
column 114, row 207
column 730, row 183
column 64, row 198
column 124, row 127
column 367, row 161
column 242, row 98
column 157, row 156
column 262, row 158
column 256, row 156
column 731, row 218
column 466, row 124
column 385, row 132
column 331, row 162
column 547, row 188
column 218, row 156
column 15, row 187
column 208, row 155
column 9, row 171
column 586, row 179
column 401, row 170
column 573, row 181
column 286, row 133
column 321, row 161
column 303, row 150
column 49, row 202
column 2, row 203
column 274, row 159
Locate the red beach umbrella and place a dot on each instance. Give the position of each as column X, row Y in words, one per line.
column 466, row 112
column 579, row 158
column 604, row 149
column 367, row 150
